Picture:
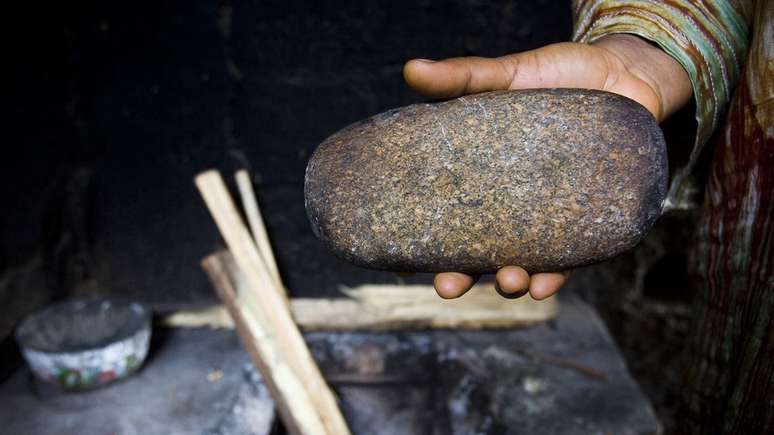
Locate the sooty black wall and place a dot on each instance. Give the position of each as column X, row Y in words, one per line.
column 115, row 107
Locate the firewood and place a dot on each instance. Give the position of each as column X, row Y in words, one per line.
column 255, row 220
column 265, row 301
column 378, row 307
column 293, row 403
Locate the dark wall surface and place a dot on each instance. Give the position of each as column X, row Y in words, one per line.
column 119, row 105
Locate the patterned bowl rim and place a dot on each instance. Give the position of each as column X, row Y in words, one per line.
column 140, row 321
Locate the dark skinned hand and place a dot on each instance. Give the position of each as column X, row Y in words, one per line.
column 622, row 64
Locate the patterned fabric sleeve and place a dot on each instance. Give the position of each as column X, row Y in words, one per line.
column 708, row 37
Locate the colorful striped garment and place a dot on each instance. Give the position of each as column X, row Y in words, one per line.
column 708, row 37
column 729, row 380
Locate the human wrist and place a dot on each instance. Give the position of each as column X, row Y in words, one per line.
column 655, row 67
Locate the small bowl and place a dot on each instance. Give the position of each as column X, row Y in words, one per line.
column 84, row 343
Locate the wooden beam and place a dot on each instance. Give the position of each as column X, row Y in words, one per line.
column 254, row 219
column 293, row 403
column 264, row 298
column 388, row 307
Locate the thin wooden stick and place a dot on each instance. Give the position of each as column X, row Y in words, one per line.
column 293, row 403
column 270, row 302
column 254, row 219
column 379, row 307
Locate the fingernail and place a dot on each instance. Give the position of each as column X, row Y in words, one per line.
column 509, row 295
column 425, row 60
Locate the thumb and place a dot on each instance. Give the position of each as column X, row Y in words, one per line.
column 457, row 76
column 562, row 65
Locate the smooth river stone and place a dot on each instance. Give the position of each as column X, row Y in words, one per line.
column 547, row 179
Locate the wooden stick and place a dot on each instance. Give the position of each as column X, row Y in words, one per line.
column 293, row 403
column 254, row 219
column 270, row 302
column 387, row 308
column 419, row 307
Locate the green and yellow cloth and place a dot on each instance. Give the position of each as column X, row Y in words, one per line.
column 708, row 37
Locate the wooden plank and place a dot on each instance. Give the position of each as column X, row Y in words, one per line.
column 389, row 307
column 266, row 299
column 257, row 227
column 291, row 399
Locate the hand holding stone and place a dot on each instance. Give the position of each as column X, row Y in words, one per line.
column 544, row 179
column 622, row 64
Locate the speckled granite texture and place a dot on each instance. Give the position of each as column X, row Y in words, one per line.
column 548, row 179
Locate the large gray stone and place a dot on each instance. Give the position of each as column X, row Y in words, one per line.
column 548, row 179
